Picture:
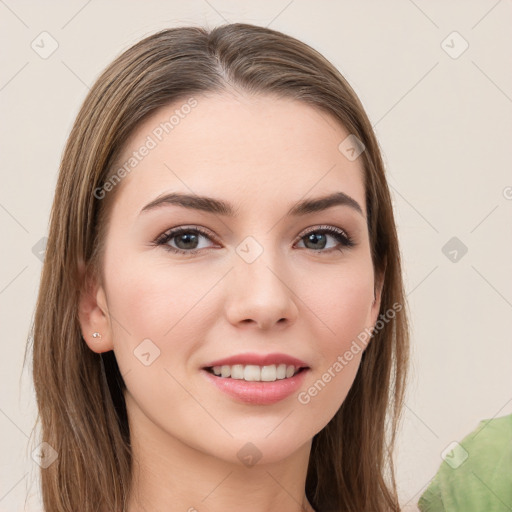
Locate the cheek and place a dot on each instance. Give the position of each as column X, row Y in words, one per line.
column 153, row 301
column 340, row 299
column 348, row 314
column 155, row 328
column 343, row 306
column 150, row 298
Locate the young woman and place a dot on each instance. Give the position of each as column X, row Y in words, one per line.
column 221, row 321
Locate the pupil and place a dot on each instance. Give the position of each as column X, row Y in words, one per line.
column 314, row 238
column 187, row 238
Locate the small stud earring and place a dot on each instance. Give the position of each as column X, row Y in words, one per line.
column 96, row 335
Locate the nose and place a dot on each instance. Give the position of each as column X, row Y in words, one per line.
column 260, row 294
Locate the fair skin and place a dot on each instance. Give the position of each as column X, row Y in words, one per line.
column 305, row 300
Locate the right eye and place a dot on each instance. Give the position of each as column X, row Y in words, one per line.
column 186, row 240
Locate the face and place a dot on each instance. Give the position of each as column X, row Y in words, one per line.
column 252, row 285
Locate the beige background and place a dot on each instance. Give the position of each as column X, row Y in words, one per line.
column 444, row 123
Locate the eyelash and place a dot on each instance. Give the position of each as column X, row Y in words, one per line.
column 340, row 235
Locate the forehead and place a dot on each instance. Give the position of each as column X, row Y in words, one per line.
column 240, row 147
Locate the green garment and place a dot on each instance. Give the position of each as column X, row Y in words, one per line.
column 476, row 475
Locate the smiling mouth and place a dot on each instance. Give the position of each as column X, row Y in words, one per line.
column 255, row 373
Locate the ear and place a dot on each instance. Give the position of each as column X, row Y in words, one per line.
column 93, row 313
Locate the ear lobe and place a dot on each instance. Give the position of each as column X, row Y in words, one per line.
column 93, row 316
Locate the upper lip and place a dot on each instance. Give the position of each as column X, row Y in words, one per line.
column 259, row 360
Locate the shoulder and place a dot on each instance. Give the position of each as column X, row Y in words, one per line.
column 475, row 474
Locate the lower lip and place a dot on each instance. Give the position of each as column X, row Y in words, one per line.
column 257, row 393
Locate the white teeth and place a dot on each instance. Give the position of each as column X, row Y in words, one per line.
column 237, row 371
column 268, row 373
column 254, row 373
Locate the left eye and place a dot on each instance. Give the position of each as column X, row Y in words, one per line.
column 187, row 240
column 317, row 239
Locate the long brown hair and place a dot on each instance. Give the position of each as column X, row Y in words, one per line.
column 80, row 399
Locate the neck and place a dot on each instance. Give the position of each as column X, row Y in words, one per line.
column 169, row 476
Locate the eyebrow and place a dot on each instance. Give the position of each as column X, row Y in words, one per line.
column 221, row 207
